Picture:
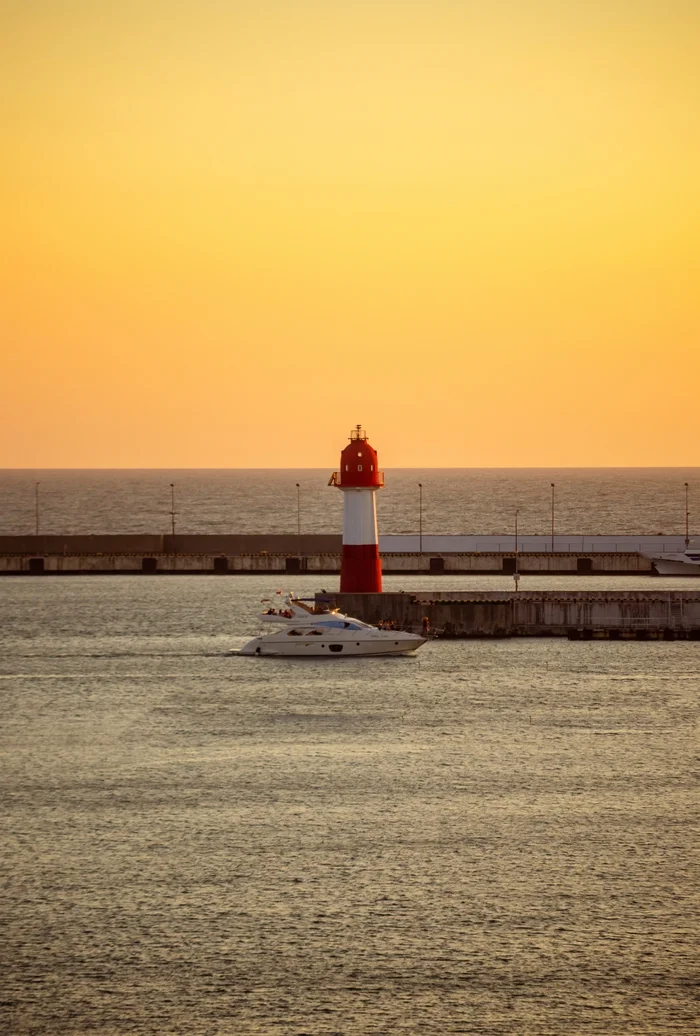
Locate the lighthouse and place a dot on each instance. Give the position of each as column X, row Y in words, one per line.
column 358, row 479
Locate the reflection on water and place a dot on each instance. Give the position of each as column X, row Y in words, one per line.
column 481, row 501
column 490, row 837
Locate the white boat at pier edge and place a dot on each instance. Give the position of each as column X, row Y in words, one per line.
column 310, row 630
column 685, row 563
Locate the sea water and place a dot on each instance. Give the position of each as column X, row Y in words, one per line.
column 492, row 837
column 587, row 501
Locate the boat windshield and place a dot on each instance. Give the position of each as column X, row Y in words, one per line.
column 343, row 624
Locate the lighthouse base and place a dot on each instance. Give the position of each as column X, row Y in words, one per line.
column 361, row 569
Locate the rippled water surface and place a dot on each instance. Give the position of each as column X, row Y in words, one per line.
column 588, row 501
column 490, row 837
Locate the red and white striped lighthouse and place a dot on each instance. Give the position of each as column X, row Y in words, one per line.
column 359, row 479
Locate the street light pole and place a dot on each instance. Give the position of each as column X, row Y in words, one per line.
column 687, row 517
column 420, row 518
column 516, row 574
column 172, row 513
column 36, row 508
column 298, row 510
column 552, row 485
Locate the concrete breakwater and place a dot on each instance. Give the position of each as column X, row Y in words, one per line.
column 292, row 555
column 180, row 544
column 321, row 564
column 329, row 543
column 586, row 615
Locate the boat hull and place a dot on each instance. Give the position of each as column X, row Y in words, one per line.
column 669, row 567
column 303, row 647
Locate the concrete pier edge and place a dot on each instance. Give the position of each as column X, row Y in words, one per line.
column 577, row 614
column 268, row 563
column 190, row 554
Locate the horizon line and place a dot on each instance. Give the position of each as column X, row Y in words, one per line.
column 426, row 467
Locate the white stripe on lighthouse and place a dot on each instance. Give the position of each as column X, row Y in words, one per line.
column 359, row 517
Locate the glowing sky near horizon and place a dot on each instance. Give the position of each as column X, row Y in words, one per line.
column 232, row 230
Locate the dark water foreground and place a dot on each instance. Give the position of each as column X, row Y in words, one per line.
column 492, row 837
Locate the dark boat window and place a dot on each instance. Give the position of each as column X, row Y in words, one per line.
column 335, row 647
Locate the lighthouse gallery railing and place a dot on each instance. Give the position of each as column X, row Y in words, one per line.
column 336, row 479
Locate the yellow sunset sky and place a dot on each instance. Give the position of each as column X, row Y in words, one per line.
column 234, row 229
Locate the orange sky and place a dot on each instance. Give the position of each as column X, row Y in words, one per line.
column 233, row 230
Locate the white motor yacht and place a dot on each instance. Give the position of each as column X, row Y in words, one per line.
column 685, row 564
column 308, row 633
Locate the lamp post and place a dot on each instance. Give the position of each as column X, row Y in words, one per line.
column 687, row 517
column 516, row 573
column 172, row 513
column 298, row 510
column 36, row 508
column 552, row 485
column 420, row 518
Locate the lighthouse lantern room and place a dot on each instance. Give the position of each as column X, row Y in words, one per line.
column 359, row 478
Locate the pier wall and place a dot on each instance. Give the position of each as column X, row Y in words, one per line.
column 504, row 543
column 155, row 562
column 179, row 544
column 312, row 543
column 162, row 564
column 499, row 563
column 543, row 613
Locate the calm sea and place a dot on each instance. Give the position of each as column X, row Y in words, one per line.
column 587, row 501
column 489, row 838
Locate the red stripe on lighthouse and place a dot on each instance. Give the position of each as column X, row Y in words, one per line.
column 360, row 569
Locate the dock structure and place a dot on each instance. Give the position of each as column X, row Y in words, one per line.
column 578, row 615
column 313, row 554
column 268, row 563
column 321, row 554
